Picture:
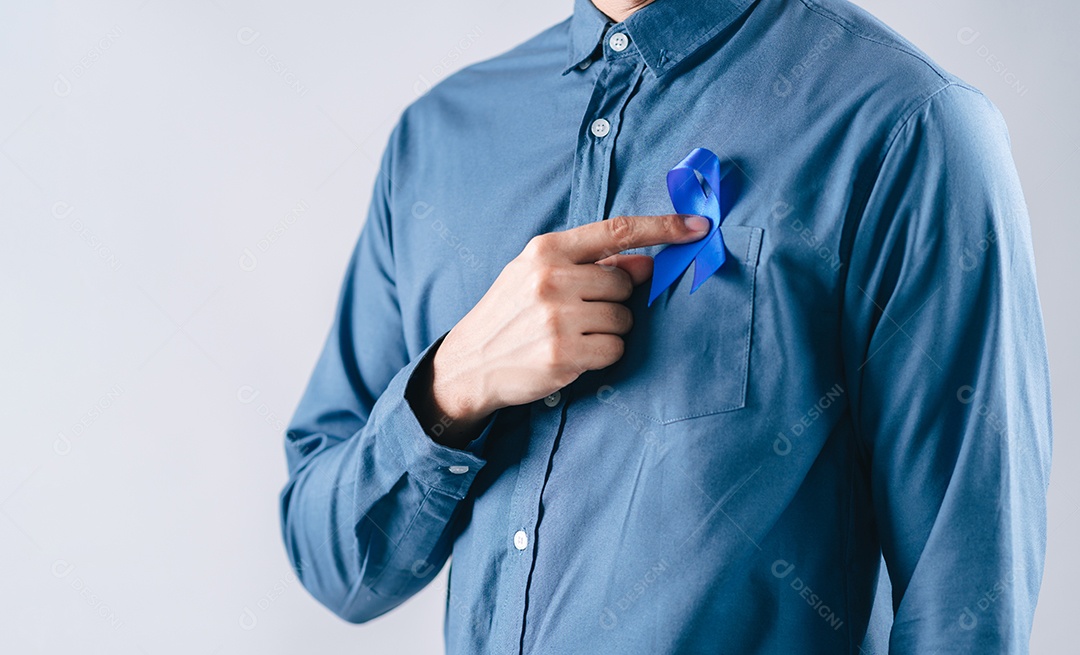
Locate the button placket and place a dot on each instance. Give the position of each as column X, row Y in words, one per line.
column 614, row 86
column 546, row 424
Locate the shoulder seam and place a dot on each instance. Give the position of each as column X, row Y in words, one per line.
column 828, row 15
column 909, row 114
column 906, row 116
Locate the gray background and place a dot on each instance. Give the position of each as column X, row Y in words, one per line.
column 180, row 187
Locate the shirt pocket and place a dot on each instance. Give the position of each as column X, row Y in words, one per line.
column 688, row 355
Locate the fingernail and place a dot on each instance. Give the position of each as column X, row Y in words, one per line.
column 697, row 223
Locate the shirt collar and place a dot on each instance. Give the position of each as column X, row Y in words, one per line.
column 665, row 31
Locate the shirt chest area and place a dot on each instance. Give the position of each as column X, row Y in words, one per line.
column 452, row 239
column 485, row 181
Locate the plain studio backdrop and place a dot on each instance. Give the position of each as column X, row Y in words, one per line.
column 181, row 184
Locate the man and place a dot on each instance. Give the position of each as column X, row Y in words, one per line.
column 839, row 443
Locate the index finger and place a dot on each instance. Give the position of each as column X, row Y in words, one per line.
column 595, row 241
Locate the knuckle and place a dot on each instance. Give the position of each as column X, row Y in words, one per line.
column 544, row 282
column 613, row 348
column 624, row 285
column 622, row 230
column 541, row 245
column 550, row 321
column 616, row 317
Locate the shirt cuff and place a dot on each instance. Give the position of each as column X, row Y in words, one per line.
column 442, row 468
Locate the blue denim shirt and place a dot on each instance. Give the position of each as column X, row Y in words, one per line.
column 841, row 441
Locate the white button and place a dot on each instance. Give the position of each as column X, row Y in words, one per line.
column 553, row 399
column 521, row 540
column 458, row 470
column 600, row 127
column 618, row 42
column 585, row 64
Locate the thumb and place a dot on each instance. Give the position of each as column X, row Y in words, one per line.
column 640, row 267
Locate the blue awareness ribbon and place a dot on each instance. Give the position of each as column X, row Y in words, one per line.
column 693, row 186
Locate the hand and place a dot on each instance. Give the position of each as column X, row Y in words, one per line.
column 553, row 313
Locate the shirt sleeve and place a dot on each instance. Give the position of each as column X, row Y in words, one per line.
column 946, row 356
column 370, row 499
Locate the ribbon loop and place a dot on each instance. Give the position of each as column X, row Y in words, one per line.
column 693, row 186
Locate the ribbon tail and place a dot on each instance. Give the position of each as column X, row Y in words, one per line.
column 669, row 264
column 709, row 260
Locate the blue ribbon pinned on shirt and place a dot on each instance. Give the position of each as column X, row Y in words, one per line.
column 693, row 186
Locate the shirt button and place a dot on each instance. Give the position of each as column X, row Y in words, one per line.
column 600, row 128
column 553, row 399
column 618, row 42
column 585, row 64
column 458, row 470
column 521, row 540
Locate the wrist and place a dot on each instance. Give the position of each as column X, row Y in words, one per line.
column 454, row 395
